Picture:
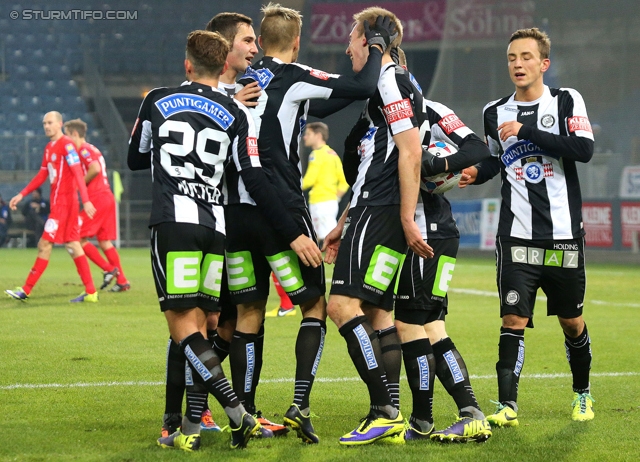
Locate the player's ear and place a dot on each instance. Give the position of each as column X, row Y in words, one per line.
column 260, row 42
column 296, row 44
column 188, row 68
column 545, row 65
column 225, row 67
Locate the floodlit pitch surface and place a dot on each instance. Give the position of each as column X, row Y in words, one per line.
column 85, row 381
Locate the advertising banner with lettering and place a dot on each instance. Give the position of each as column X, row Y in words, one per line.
column 630, row 182
column 424, row 21
column 468, row 217
column 489, row 223
column 598, row 224
column 630, row 222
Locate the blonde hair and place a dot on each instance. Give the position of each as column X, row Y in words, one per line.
column 279, row 27
column 76, row 125
column 371, row 14
column 207, row 51
column 544, row 44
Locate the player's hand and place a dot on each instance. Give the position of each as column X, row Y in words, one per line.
column 89, row 209
column 468, row 177
column 382, row 34
column 507, row 129
column 332, row 244
column 307, row 251
column 414, row 240
column 249, row 95
column 15, row 200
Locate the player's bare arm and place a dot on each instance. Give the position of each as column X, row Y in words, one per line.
column 409, row 160
column 92, row 172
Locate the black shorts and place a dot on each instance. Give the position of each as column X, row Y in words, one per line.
column 254, row 249
column 187, row 262
column 421, row 297
column 371, row 252
column 228, row 311
column 557, row 267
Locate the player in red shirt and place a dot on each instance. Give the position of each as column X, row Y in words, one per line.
column 103, row 224
column 61, row 164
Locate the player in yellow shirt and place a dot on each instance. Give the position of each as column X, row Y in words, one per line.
column 324, row 178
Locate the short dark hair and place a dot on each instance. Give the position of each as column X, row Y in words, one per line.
column 319, row 127
column 226, row 24
column 544, row 44
column 207, row 51
column 78, row 126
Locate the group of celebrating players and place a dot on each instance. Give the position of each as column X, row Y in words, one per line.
column 228, row 210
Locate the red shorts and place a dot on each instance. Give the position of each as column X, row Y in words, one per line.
column 103, row 224
column 62, row 225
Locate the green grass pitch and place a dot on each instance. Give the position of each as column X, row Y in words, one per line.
column 83, row 382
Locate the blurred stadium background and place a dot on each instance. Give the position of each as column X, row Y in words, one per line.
column 98, row 69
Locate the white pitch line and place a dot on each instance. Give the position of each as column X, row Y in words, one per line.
column 541, row 298
column 285, row 380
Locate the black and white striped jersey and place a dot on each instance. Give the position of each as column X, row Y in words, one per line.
column 390, row 111
column 433, row 212
column 541, row 196
column 281, row 113
column 188, row 134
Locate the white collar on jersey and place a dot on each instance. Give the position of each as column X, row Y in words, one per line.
column 188, row 82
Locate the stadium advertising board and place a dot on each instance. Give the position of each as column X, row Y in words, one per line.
column 425, row 20
column 598, row 224
column 630, row 222
column 630, row 182
column 468, row 218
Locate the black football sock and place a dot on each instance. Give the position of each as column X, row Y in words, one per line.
column 259, row 353
column 174, row 388
column 220, row 346
column 452, row 373
column 392, row 360
column 242, row 356
column 579, row 357
column 420, row 365
column 309, row 346
column 196, row 402
column 364, row 348
column 509, row 365
column 205, row 365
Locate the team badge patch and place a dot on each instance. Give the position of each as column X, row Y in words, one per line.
column 398, row 110
column 547, row 121
column 533, row 172
column 512, row 297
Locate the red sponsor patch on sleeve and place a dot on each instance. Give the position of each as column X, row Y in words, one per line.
column 252, row 146
column 579, row 123
column 450, row 123
column 398, row 110
column 135, row 125
column 322, row 75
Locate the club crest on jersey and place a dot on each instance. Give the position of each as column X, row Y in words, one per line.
column 185, row 102
column 262, row 76
column 547, row 121
column 398, row 110
column 519, row 150
column 531, row 171
column 450, row 123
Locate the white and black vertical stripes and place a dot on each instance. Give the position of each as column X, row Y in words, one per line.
column 540, row 189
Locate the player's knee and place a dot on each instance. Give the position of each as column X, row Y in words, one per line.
column 512, row 321
column 573, row 327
